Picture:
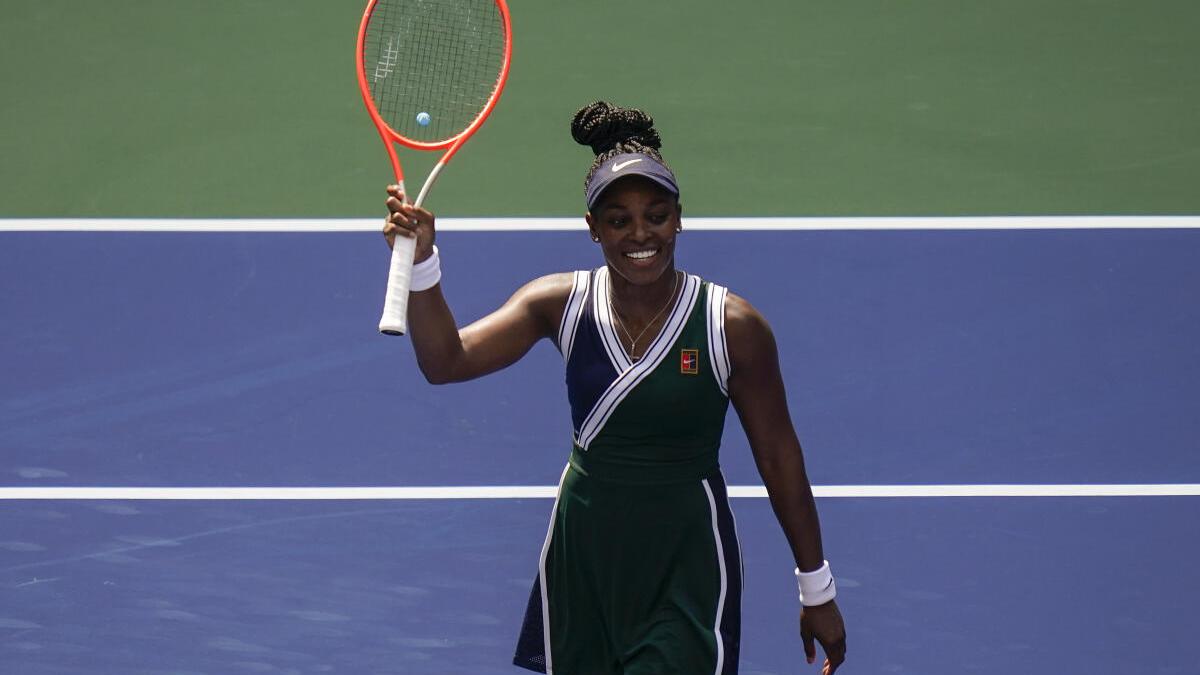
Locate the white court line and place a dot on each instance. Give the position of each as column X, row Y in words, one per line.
column 547, row 492
column 213, row 225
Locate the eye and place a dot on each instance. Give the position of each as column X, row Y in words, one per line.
column 617, row 221
column 659, row 218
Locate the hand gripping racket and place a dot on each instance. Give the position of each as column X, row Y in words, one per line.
column 430, row 72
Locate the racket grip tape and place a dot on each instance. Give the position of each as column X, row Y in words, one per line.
column 395, row 302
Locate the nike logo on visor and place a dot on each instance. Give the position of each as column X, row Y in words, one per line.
column 622, row 165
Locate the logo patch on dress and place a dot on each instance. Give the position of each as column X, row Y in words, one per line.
column 689, row 362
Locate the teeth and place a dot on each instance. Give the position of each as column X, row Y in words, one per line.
column 640, row 255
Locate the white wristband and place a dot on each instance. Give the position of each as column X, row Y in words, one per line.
column 427, row 273
column 816, row 587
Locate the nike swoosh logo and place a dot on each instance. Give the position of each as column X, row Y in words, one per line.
column 622, row 165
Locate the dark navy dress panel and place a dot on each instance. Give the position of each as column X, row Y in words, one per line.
column 589, row 370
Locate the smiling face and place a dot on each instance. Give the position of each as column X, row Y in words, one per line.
column 636, row 221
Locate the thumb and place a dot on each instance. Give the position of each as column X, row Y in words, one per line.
column 806, row 636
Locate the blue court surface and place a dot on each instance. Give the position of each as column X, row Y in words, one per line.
column 973, row 358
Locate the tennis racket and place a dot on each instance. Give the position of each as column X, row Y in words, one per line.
column 430, row 72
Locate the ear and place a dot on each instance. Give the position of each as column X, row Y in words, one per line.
column 679, row 216
column 587, row 217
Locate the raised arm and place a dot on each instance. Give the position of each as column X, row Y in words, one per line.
column 757, row 392
column 447, row 354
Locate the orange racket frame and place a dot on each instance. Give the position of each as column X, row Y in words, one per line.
column 395, row 314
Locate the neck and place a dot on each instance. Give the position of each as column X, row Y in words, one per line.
column 637, row 303
column 635, row 327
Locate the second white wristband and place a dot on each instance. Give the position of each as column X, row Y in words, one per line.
column 427, row 273
column 816, row 587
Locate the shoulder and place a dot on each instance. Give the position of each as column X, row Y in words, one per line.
column 742, row 320
column 550, row 287
column 546, row 297
column 747, row 331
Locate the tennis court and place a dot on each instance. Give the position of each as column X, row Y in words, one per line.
column 974, row 232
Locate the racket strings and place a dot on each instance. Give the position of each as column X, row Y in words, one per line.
column 438, row 57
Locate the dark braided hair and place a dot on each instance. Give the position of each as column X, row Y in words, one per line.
column 611, row 130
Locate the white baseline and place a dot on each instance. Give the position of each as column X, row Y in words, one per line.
column 548, row 492
column 283, row 225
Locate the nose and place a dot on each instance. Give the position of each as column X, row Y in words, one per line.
column 641, row 230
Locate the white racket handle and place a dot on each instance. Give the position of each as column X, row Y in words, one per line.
column 395, row 303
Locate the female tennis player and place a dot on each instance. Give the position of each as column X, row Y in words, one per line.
column 640, row 572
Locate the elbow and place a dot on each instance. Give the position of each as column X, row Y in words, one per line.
column 434, row 377
column 442, row 363
column 444, row 374
column 436, row 370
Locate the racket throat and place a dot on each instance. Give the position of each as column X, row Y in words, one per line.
column 433, row 175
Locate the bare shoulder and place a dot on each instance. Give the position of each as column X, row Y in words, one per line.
column 551, row 289
column 753, row 354
column 546, row 297
column 744, row 324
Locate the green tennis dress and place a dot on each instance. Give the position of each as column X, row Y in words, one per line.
column 641, row 570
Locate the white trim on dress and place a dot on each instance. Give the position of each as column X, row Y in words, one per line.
column 569, row 325
column 628, row 379
column 712, row 507
column 718, row 349
column 542, row 574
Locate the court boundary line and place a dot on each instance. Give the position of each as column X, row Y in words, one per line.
column 541, row 224
column 548, row 492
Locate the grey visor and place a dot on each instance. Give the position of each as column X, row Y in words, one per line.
column 629, row 164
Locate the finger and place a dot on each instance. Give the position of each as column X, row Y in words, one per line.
column 398, row 225
column 393, row 231
column 413, row 213
column 403, row 215
column 395, row 197
column 389, row 234
column 412, row 216
column 398, row 205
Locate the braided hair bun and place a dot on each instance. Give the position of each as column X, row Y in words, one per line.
column 611, row 130
column 605, row 127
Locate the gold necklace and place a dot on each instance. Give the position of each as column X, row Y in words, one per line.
column 621, row 322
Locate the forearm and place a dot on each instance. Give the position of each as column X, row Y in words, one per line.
column 757, row 393
column 792, row 500
column 434, row 335
column 447, row 354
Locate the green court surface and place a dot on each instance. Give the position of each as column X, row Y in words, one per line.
column 250, row 108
